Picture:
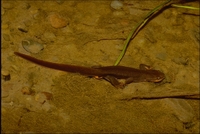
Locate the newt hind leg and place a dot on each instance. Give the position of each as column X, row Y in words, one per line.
column 114, row 81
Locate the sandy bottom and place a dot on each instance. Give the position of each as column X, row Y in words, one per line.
column 92, row 33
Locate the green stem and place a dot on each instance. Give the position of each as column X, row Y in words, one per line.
column 188, row 7
column 136, row 29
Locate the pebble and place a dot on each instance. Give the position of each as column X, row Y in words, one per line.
column 39, row 97
column 180, row 60
column 5, row 74
column 49, row 36
column 60, row 1
column 32, row 46
column 46, row 106
column 34, row 11
column 115, row 4
column 180, row 108
column 161, row 56
column 25, row 6
column 28, row 23
column 22, row 27
column 118, row 13
column 57, row 21
column 49, row 96
column 43, row 96
column 27, row 91
column 187, row 79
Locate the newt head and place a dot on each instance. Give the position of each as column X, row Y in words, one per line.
column 155, row 76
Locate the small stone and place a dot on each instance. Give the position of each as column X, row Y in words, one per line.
column 32, row 46
column 42, row 97
column 116, row 4
column 27, row 91
column 60, row 1
column 161, row 56
column 48, row 95
column 5, row 74
column 180, row 60
column 180, row 108
column 46, row 106
column 23, row 28
column 57, row 21
column 28, row 23
column 49, row 36
column 25, row 6
column 34, row 11
column 118, row 13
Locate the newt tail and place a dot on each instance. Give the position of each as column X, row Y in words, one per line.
column 63, row 67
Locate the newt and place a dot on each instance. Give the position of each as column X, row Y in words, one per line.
column 109, row 73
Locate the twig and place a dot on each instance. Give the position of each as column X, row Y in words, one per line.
column 195, row 96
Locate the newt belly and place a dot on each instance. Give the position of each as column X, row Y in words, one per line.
column 110, row 73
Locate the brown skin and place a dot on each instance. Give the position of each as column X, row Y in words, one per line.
column 110, row 73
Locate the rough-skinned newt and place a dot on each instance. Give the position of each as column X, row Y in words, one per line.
column 110, row 73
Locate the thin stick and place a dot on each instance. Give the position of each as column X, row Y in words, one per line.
column 136, row 29
column 195, row 96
